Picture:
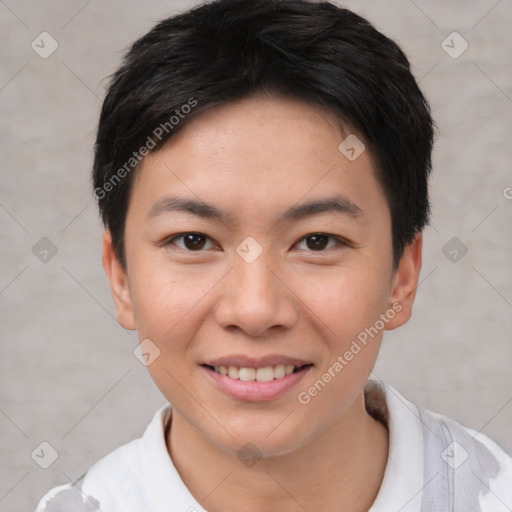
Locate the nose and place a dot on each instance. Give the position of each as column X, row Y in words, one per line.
column 256, row 299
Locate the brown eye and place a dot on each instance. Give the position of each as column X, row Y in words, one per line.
column 190, row 241
column 194, row 242
column 317, row 242
column 321, row 242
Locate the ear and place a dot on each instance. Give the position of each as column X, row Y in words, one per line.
column 405, row 283
column 118, row 280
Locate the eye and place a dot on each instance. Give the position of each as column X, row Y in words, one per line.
column 319, row 242
column 191, row 241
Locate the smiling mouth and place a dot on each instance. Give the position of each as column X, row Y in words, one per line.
column 263, row 374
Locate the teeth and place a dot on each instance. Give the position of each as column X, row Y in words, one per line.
column 233, row 372
column 247, row 374
column 264, row 374
column 279, row 371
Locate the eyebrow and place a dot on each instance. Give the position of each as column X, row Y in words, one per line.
column 338, row 204
column 172, row 203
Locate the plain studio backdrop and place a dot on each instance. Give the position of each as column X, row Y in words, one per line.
column 68, row 373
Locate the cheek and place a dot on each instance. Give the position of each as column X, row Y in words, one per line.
column 345, row 300
column 347, row 307
column 164, row 296
column 169, row 308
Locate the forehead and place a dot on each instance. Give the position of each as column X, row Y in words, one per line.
column 257, row 154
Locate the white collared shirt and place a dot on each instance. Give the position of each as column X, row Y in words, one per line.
column 434, row 465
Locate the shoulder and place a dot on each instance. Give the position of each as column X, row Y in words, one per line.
column 472, row 467
column 462, row 466
column 124, row 476
column 453, row 466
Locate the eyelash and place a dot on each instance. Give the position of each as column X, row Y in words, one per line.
column 339, row 241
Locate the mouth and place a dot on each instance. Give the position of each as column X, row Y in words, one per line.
column 261, row 374
column 255, row 380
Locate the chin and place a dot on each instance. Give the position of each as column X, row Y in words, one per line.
column 266, row 439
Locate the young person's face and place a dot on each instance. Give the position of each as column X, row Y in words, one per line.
column 214, row 300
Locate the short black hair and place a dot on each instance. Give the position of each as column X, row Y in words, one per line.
column 226, row 50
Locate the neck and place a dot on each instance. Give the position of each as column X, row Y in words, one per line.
column 345, row 464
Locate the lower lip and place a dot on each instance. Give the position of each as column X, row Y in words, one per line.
column 254, row 391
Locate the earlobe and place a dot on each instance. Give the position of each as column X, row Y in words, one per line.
column 118, row 281
column 405, row 283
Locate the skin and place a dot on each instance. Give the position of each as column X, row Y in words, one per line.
column 254, row 159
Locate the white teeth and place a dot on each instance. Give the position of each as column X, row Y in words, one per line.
column 233, row 372
column 279, row 372
column 264, row 374
column 247, row 374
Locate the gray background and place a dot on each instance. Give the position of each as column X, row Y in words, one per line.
column 68, row 373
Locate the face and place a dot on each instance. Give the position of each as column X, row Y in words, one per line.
column 258, row 257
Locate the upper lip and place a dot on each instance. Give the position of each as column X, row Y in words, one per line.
column 243, row 361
